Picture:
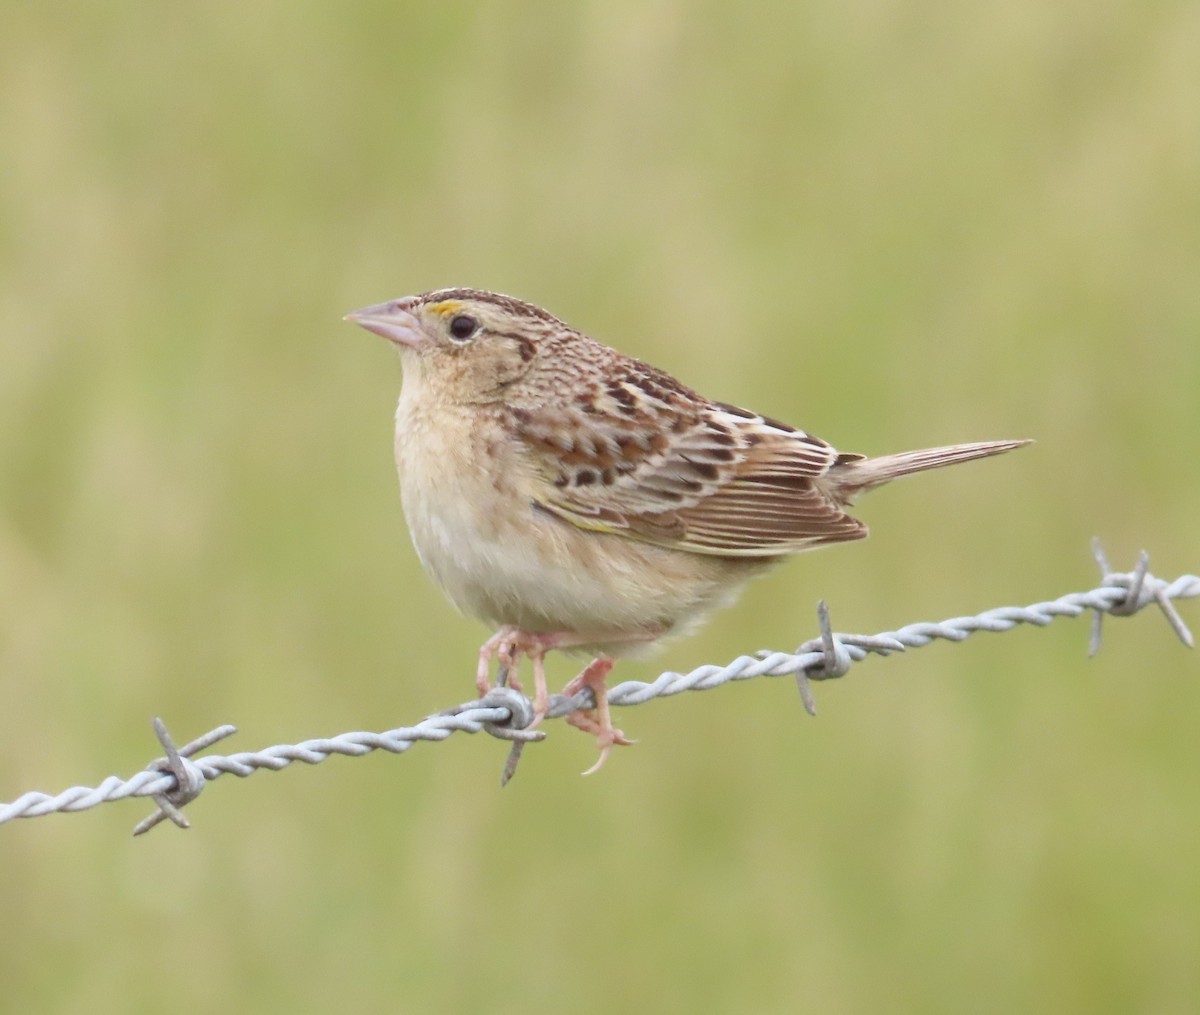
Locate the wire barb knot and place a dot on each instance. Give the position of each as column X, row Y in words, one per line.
column 831, row 655
column 833, row 659
column 520, row 715
column 189, row 777
column 515, row 728
column 1139, row 589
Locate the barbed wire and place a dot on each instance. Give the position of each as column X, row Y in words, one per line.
column 173, row 781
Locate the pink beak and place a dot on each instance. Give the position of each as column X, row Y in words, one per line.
column 393, row 320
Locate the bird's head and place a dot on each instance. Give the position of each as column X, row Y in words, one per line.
column 472, row 344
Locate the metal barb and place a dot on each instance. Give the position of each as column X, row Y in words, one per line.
column 511, row 762
column 1095, row 636
column 517, row 728
column 1141, row 588
column 189, row 780
column 1133, row 600
column 518, row 747
column 1173, row 618
column 1096, row 633
column 806, row 696
column 837, row 660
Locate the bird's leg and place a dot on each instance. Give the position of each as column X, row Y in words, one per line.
column 535, row 647
column 496, row 645
column 541, row 696
column 597, row 721
column 509, row 644
column 509, row 654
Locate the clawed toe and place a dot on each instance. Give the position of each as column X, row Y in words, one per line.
column 508, row 645
column 606, row 738
column 587, row 720
column 597, row 721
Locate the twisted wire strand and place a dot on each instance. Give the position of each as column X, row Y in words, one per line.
column 175, row 780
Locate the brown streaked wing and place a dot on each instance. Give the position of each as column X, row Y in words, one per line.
column 773, row 503
column 654, row 461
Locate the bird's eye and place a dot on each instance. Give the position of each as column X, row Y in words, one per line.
column 463, row 327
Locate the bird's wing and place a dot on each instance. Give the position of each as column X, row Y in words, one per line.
column 644, row 457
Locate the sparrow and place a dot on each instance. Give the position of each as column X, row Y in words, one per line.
column 575, row 498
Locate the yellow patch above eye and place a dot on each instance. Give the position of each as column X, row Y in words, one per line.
column 446, row 308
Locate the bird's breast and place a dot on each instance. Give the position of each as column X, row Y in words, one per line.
column 457, row 489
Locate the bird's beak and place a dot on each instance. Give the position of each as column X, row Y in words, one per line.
column 393, row 320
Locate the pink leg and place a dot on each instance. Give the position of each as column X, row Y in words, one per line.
column 508, row 645
column 510, row 659
column 598, row 721
column 541, row 696
column 491, row 648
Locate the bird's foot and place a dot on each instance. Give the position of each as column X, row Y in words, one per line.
column 598, row 720
column 508, row 645
column 586, row 719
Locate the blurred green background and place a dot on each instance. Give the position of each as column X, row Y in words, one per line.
column 895, row 224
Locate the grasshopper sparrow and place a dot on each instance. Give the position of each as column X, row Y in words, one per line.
column 576, row 498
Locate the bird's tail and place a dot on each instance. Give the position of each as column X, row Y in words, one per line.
column 852, row 475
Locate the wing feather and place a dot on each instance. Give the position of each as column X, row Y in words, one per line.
column 648, row 459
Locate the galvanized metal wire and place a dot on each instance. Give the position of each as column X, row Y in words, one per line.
column 176, row 779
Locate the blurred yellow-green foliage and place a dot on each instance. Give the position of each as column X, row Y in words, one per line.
column 895, row 224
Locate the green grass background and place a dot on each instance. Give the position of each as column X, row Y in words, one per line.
column 895, row 224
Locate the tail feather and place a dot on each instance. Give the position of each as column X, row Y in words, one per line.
column 852, row 475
